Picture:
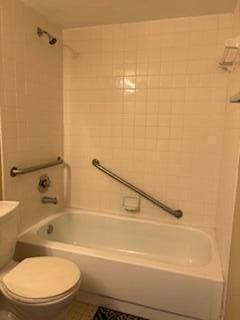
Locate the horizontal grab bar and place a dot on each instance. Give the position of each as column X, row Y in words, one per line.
column 176, row 213
column 16, row 171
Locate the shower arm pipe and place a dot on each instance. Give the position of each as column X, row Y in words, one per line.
column 18, row 171
column 176, row 213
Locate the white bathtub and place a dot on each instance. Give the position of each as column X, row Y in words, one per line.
column 161, row 267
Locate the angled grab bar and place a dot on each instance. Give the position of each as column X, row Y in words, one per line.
column 176, row 213
column 16, row 171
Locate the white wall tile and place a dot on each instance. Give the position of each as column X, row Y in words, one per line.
column 31, row 106
column 148, row 100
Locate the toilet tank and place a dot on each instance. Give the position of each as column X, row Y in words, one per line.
column 9, row 222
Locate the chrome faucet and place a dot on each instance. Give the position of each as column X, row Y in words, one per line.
column 49, row 200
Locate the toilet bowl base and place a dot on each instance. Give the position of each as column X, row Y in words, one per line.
column 7, row 315
column 39, row 313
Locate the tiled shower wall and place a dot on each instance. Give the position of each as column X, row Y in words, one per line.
column 148, row 100
column 31, row 106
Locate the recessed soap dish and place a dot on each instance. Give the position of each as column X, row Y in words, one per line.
column 235, row 98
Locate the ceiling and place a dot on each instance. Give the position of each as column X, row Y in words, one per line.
column 79, row 13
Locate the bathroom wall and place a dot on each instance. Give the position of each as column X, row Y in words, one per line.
column 31, row 106
column 229, row 201
column 230, row 162
column 233, row 292
column 148, row 100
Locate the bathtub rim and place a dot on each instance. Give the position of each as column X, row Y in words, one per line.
column 206, row 231
column 31, row 236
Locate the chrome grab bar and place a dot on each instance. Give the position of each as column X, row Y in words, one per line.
column 176, row 213
column 16, row 171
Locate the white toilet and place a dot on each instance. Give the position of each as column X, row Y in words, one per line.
column 38, row 288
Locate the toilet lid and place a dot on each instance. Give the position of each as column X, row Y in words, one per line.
column 42, row 277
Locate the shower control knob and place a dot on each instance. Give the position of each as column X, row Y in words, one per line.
column 44, row 183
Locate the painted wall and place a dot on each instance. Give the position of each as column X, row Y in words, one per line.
column 148, row 100
column 31, row 106
column 230, row 161
column 233, row 294
column 228, row 222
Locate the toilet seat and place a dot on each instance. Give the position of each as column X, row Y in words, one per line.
column 41, row 280
column 15, row 298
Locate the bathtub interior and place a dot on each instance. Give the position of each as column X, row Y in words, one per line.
column 155, row 242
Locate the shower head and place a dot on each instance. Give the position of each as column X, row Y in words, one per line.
column 51, row 39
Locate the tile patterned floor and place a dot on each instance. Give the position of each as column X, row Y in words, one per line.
column 105, row 313
column 81, row 311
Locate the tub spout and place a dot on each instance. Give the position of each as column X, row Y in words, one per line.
column 49, row 200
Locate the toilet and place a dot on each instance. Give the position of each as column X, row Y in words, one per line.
column 38, row 288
